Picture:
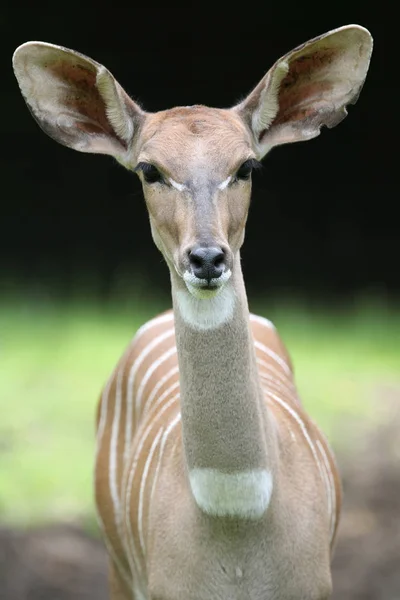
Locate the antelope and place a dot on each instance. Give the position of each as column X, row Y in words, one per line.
column 210, row 479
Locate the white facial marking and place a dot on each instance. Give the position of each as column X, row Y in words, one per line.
column 244, row 495
column 225, row 183
column 203, row 314
column 194, row 284
column 178, row 186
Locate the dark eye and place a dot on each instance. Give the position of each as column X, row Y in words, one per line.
column 244, row 171
column 150, row 173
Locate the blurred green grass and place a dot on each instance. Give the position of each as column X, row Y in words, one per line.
column 55, row 357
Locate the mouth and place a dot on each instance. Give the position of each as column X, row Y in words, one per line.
column 205, row 288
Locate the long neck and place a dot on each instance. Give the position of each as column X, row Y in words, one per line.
column 225, row 425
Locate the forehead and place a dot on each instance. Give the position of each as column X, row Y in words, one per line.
column 184, row 137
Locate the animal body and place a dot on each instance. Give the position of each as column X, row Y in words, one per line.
column 211, row 480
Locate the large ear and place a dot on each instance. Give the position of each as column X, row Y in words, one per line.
column 307, row 88
column 76, row 100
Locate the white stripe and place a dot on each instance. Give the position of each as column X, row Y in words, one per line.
column 263, row 321
column 174, row 446
column 327, row 489
column 157, row 363
column 274, row 381
column 100, row 433
column 273, row 355
column 275, row 371
column 159, row 385
column 121, row 569
column 298, row 420
column 165, row 318
column 168, row 430
column 112, row 469
column 328, row 447
column 103, row 414
column 163, row 396
column 131, row 541
column 143, row 485
column 132, row 374
column 275, row 386
column 331, row 486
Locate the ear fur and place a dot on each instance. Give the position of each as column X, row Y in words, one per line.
column 76, row 100
column 307, row 88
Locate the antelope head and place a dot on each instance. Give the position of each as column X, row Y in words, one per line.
column 195, row 162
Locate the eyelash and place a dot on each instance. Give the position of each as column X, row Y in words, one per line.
column 150, row 173
column 245, row 170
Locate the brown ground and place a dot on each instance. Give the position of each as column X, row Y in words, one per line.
column 63, row 563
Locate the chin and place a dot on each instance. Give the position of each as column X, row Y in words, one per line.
column 203, row 289
column 204, row 293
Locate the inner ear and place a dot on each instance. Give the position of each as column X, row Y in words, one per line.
column 76, row 100
column 307, row 88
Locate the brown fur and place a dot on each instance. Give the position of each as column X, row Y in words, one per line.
column 275, row 556
column 238, row 409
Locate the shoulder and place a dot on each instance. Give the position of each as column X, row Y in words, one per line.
column 266, row 335
column 156, row 326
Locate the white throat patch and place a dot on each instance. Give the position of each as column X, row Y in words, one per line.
column 206, row 313
column 244, row 495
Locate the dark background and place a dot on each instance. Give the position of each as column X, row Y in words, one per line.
column 324, row 217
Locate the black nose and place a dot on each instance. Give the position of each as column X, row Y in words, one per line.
column 207, row 263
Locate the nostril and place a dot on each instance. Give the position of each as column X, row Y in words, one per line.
column 197, row 257
column 207, row 263
column 219, row 259
column 195, row 261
